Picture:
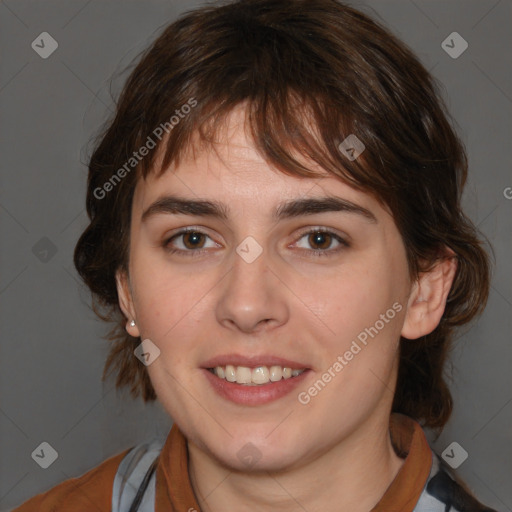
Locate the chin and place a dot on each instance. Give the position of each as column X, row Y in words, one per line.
column 256, row 453
column 252, row 460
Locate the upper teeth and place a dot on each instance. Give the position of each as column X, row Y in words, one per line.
column 254, row 376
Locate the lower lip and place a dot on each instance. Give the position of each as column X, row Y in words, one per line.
column 254, row 395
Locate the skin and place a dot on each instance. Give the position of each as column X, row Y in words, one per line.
column 286, row 303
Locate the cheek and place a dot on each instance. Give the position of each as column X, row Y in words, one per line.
column 366, row 305
column 357, row 297
column 168, row 300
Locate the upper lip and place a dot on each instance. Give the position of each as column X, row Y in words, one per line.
column 252, row 361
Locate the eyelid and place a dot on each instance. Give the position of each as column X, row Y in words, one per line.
column 325, row 229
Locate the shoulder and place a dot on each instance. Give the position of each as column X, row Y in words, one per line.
column 444, row 491
column 135, row 480
column 90, row 491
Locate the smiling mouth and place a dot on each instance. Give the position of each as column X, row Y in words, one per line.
column 257, row 376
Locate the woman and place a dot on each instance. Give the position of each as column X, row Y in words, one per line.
column 276, row 232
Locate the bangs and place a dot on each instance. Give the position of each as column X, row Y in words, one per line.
column 287, row 130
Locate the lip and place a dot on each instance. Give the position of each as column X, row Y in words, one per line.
column 253, row 395
column 252, row 361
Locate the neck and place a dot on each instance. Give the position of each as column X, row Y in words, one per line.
column 352, row 475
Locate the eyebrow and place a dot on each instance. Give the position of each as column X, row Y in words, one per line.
column 174, row 205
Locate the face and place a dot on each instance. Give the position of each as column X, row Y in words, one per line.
column 255, row 293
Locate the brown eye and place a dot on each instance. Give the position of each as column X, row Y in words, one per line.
column 191, row 240
column 322, row 241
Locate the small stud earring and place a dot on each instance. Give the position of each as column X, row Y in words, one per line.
column 132, row 323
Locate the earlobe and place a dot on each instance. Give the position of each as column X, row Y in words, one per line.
column 126, row 303
column 427, row 300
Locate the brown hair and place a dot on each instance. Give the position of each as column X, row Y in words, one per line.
column 287, row 59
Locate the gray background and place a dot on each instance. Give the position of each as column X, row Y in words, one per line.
column 52, row 347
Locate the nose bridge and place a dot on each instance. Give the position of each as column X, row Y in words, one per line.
column 250, row 294
column 250, row 262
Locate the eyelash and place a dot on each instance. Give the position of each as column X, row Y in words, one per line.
column 315, row 252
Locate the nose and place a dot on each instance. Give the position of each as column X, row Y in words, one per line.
column 252, row 296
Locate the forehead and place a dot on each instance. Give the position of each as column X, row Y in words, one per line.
column 232, row 171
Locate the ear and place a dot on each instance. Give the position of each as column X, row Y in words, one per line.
column 427, row 300
column 126, row 302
